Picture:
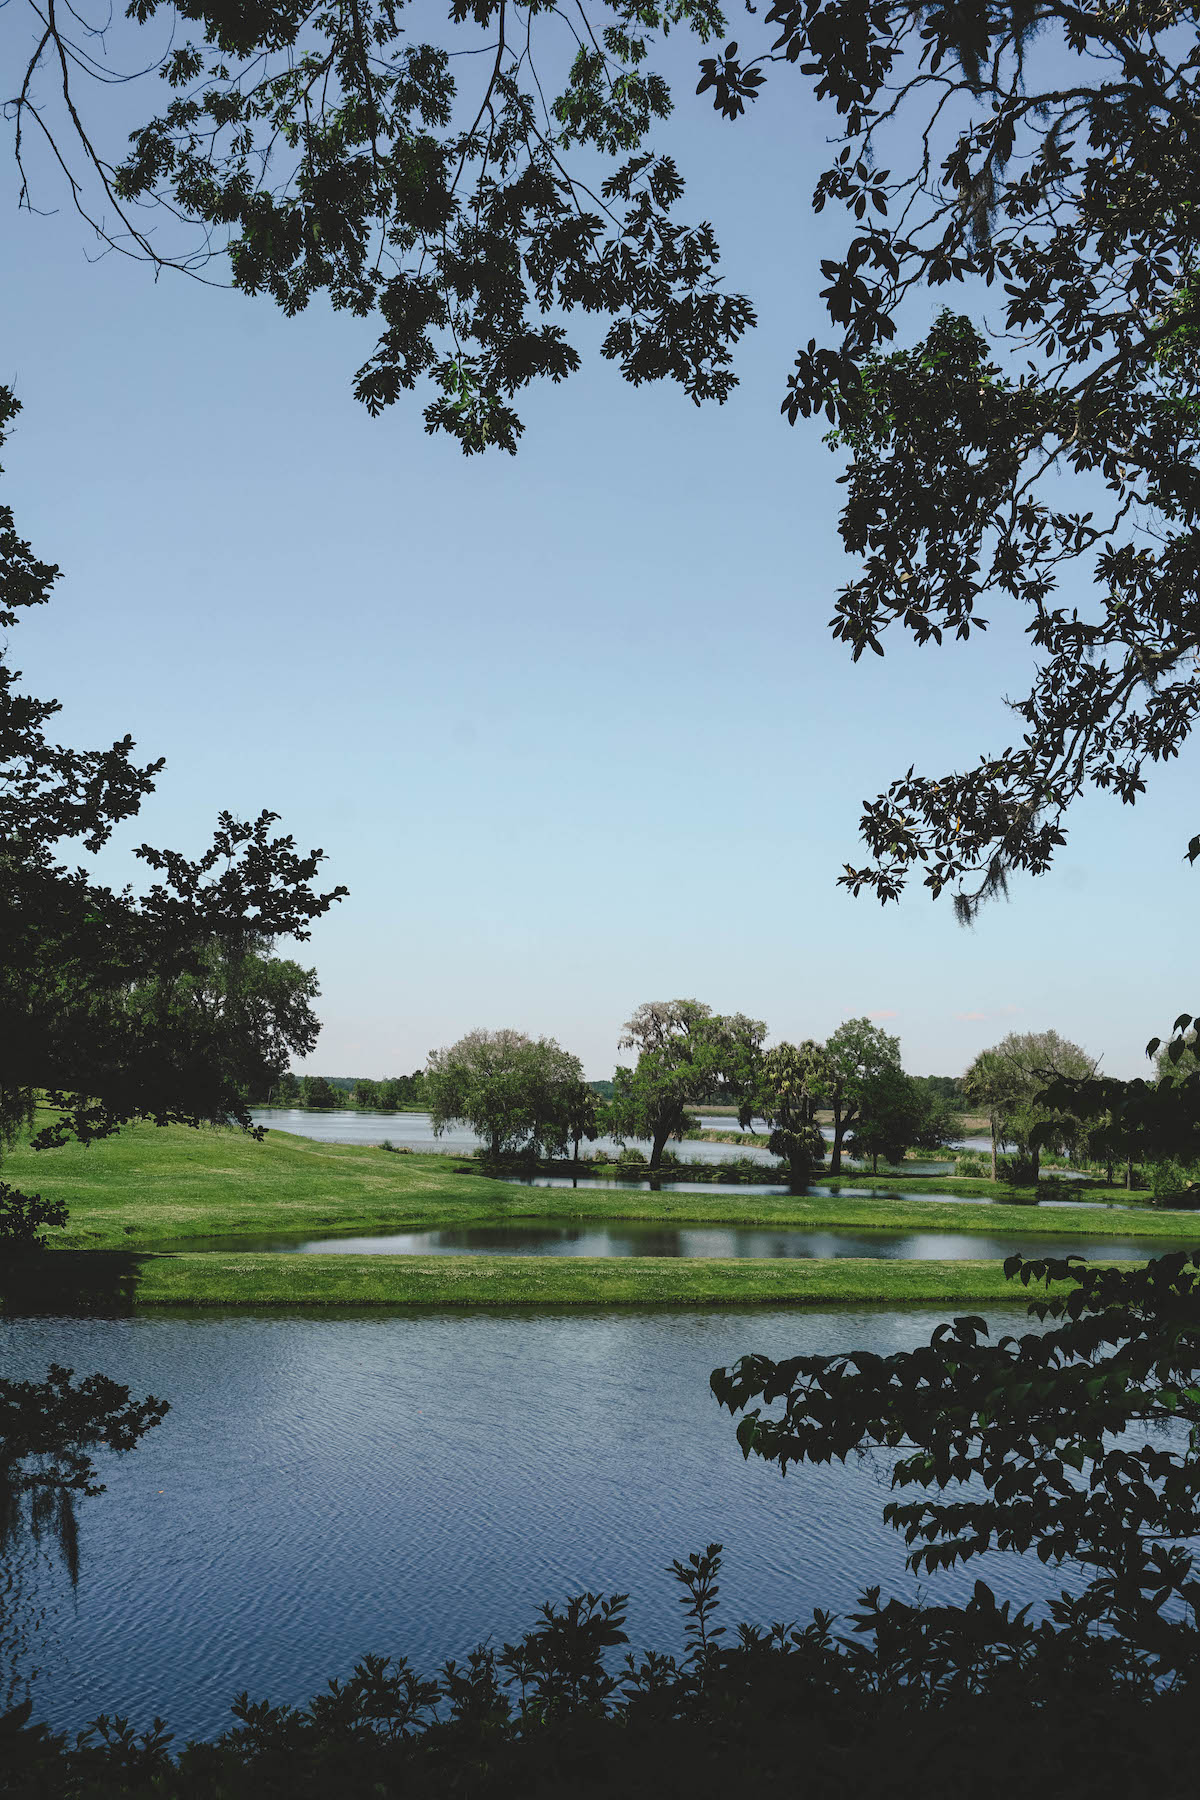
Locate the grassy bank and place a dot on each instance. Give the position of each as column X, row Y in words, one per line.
column 148, row 1186
column 120, row 1281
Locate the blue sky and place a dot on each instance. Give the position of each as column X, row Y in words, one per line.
column 570, row 726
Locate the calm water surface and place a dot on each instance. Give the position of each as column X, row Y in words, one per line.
column 638, row 1238
column 325, row 1487
column 415, row 1131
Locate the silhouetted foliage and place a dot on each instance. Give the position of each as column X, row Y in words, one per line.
column 332, row 152
column 1040, row 156
column 48, row 1432
column 1146, row 1121
column 937, row 1701
column 1039, row 1441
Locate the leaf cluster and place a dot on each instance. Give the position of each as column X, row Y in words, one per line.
column 1078, row 1441
column 443, row 189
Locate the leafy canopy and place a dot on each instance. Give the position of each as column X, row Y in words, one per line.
column 516, row 1092
column 686, row 1052
column 467, row 194
column 1011, row 1080
column 1077, row 1441
column 1035, row 448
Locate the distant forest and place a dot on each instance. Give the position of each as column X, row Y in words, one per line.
column 406, row 1093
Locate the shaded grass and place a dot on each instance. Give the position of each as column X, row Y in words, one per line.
column 149, row 1185
column 263, row 1279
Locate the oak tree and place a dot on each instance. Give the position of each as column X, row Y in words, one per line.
column 685, row 1050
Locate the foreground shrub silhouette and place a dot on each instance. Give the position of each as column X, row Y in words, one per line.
column 911, row 1695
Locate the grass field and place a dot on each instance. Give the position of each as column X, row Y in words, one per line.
column 148, row 1187
column 110, row 1280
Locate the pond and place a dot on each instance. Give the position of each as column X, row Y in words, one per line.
column 323, row 1487
column 588, row 1184
column 643, row 1238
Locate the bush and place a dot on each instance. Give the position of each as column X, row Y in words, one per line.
column 1017, row 1171
column 973, row 1163
column 548, row 1716
column 1175, row 1184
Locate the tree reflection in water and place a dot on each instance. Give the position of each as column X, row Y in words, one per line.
column 49, row 1432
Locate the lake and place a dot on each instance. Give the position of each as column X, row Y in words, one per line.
column 323, row 1487
column 414, row 1130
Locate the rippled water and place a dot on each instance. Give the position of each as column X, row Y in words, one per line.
column 638, row 1238
column 325, row 1487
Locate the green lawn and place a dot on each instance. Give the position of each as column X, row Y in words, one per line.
column 113, row 1280
column 148, row 1187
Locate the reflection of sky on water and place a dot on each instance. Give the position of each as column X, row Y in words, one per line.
column 647, row 1238
column 324, row 1487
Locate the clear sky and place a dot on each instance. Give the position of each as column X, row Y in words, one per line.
column 571, row 727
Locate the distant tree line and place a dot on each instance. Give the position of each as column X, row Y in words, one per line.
column 322, row 1092
column 528, row 1097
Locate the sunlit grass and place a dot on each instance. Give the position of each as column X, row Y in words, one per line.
column 149, row 1185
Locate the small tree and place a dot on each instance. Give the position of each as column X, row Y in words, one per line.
column 366, row 1094
column 515, row 1092
column 1010, row 1080
column 784, row 1096
column 890, row 1115
column 985, row 1085
column 318, row 1093
column 581, row 1112
column 684, row 1051
column 855, row 1057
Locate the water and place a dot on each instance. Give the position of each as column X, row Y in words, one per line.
column 586, row 1184
column 414, row 1130
column 326, row 1487
column 639, row 1238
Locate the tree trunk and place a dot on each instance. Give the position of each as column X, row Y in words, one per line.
column 1109, row 1175
column 1129, row 1172
column 1035, row 1157
column 658, row 1145
column 874, row 1162
column 995, row 1169
column 835, row 1153
column 495, row 1146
